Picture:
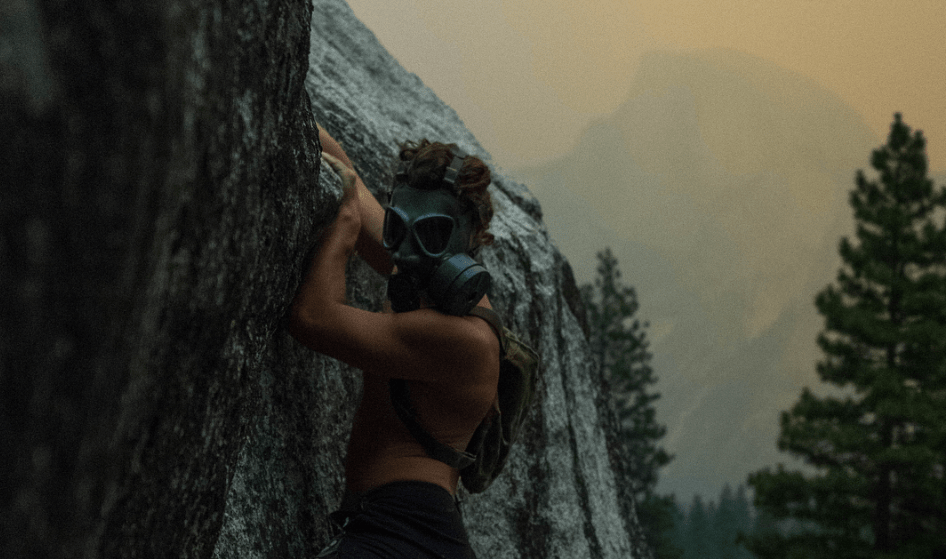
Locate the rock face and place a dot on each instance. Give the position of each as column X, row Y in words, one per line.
column 160, row 193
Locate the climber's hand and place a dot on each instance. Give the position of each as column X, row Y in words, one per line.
column 346, row 173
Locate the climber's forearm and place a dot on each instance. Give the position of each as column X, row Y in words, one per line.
column 369, row 245
column 332, row 147
column 323, row 289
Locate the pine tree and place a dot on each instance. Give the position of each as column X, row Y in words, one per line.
column 732, row 518
column 679, row 532
column 766, row 537
column 743, row 524
column 877, row 444
column 699, row 536
column 658, row 515
column 620, row 346
column 724, row 524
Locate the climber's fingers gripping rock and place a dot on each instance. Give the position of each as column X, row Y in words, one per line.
column 346, row 173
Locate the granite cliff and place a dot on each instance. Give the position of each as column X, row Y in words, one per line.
column 161, row 189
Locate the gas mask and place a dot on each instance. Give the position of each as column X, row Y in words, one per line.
column 428, row 238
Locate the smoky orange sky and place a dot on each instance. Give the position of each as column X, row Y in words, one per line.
column 526, row 76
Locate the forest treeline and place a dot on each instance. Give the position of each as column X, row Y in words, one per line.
column 714, row 529
column 873, row 443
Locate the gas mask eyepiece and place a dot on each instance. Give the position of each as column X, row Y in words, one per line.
column 430, row 231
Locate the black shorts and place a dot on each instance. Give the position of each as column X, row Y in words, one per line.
column 412, row 519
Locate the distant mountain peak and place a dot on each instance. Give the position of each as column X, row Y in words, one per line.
column 721, row 184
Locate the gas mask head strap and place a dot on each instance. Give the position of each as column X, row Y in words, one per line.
column 453, row 169
column 450, row 180
column 450, row 176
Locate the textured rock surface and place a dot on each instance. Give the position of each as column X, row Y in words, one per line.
column 163, row 193
column 157, row 202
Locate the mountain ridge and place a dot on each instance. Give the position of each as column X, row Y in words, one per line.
column 726, row 227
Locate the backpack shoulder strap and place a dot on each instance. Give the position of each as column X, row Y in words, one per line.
column 490, row 316
column 401, row 398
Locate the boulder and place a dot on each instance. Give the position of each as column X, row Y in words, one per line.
column 161, row 193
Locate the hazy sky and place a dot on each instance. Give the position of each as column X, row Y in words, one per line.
column 527, row 75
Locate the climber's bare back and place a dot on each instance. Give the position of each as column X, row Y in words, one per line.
column 381, row 450
column 452, row 367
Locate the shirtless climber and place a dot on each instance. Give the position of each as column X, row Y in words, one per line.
column 399, row 501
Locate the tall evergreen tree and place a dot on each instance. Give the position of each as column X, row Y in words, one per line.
column 732, row 518
column 699, row 542
column 877, row 446
column 619, row 342
column 658, row 515
column 679, row 532
column 743, row 524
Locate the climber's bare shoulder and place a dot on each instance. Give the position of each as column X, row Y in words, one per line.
column 417, row 345
column 423, row 345
column 453, row 394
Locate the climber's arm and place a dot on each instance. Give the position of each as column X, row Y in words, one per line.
column 324, row 283
column 423, row 345
column 420, row 345
column 372, row 214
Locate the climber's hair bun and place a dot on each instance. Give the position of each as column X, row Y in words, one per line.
column 423, row 165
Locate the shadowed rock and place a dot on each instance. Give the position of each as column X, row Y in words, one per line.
column 160, row 193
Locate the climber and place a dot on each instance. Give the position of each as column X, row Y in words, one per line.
column 400, row 502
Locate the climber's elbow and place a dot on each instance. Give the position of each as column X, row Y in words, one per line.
column 307, row 325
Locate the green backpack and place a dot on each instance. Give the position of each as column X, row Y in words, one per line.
column 486, row 454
